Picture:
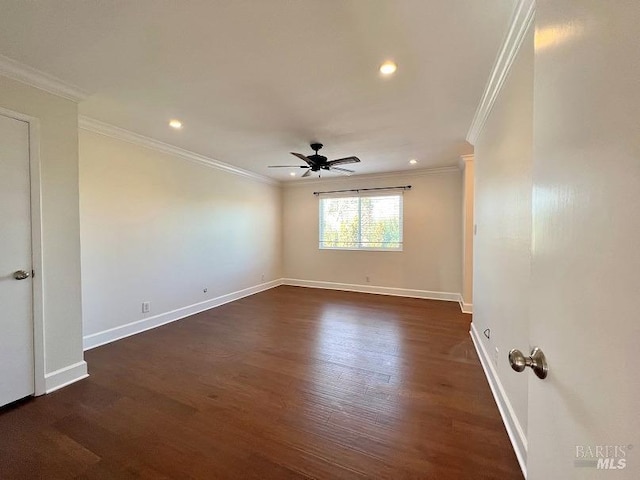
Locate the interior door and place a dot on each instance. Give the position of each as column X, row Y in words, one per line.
column 16, row 320
column 584, row 418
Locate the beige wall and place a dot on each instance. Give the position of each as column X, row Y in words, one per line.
column 430, row 260
column 502, row 247
column 58, row 119
column 158, row 228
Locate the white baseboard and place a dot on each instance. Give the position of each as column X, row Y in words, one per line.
column 398, row 292
column 511, row 423
column 65, row 376
column 111, row 335
column 465, row 307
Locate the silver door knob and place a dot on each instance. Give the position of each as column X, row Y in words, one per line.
column 21, row 274
column 537, row 361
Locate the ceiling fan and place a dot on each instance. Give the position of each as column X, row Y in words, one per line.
column 316, row 163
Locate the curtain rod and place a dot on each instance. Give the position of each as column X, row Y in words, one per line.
column 402, row 187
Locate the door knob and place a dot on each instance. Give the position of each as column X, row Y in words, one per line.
column 21, row 274
column 537, row 361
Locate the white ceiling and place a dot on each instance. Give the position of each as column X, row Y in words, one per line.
column 255, row 79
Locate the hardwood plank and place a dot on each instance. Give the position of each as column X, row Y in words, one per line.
column 289, row 383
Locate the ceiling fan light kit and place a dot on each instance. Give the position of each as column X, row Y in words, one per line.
column 317, row 162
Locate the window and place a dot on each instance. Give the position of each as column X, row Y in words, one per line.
column 361, row 222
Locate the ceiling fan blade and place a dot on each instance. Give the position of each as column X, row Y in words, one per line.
column 342, row 161
column 303, row 158
column 287, row 166
column 306, row 174
column 346, row 170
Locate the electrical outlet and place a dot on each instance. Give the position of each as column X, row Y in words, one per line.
column 367, row 279
column 146, row 307
column 263, row 277
column 205, row 290
column 496, row 356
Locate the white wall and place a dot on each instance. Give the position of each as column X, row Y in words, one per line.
column 156, row 227
column 502, row 246
column 431, row 258
column 62, row 308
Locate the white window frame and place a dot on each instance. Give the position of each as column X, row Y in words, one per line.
column 361, row 195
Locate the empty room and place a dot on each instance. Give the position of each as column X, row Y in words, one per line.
column 328, row 239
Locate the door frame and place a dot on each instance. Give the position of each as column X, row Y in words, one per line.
column 36, row 248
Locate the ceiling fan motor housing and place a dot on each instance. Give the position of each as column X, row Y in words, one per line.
column 316, row 158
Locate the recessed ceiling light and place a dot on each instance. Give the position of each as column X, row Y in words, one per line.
column 177, row 124
column 388, row 67
column 293, row 174
column 413, row 161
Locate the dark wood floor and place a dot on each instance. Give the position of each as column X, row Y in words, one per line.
column 288, row 383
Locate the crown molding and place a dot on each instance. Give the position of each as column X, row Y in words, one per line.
column 372, row 176
column 519, row 24
column 36, row 78
column 106, row 129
